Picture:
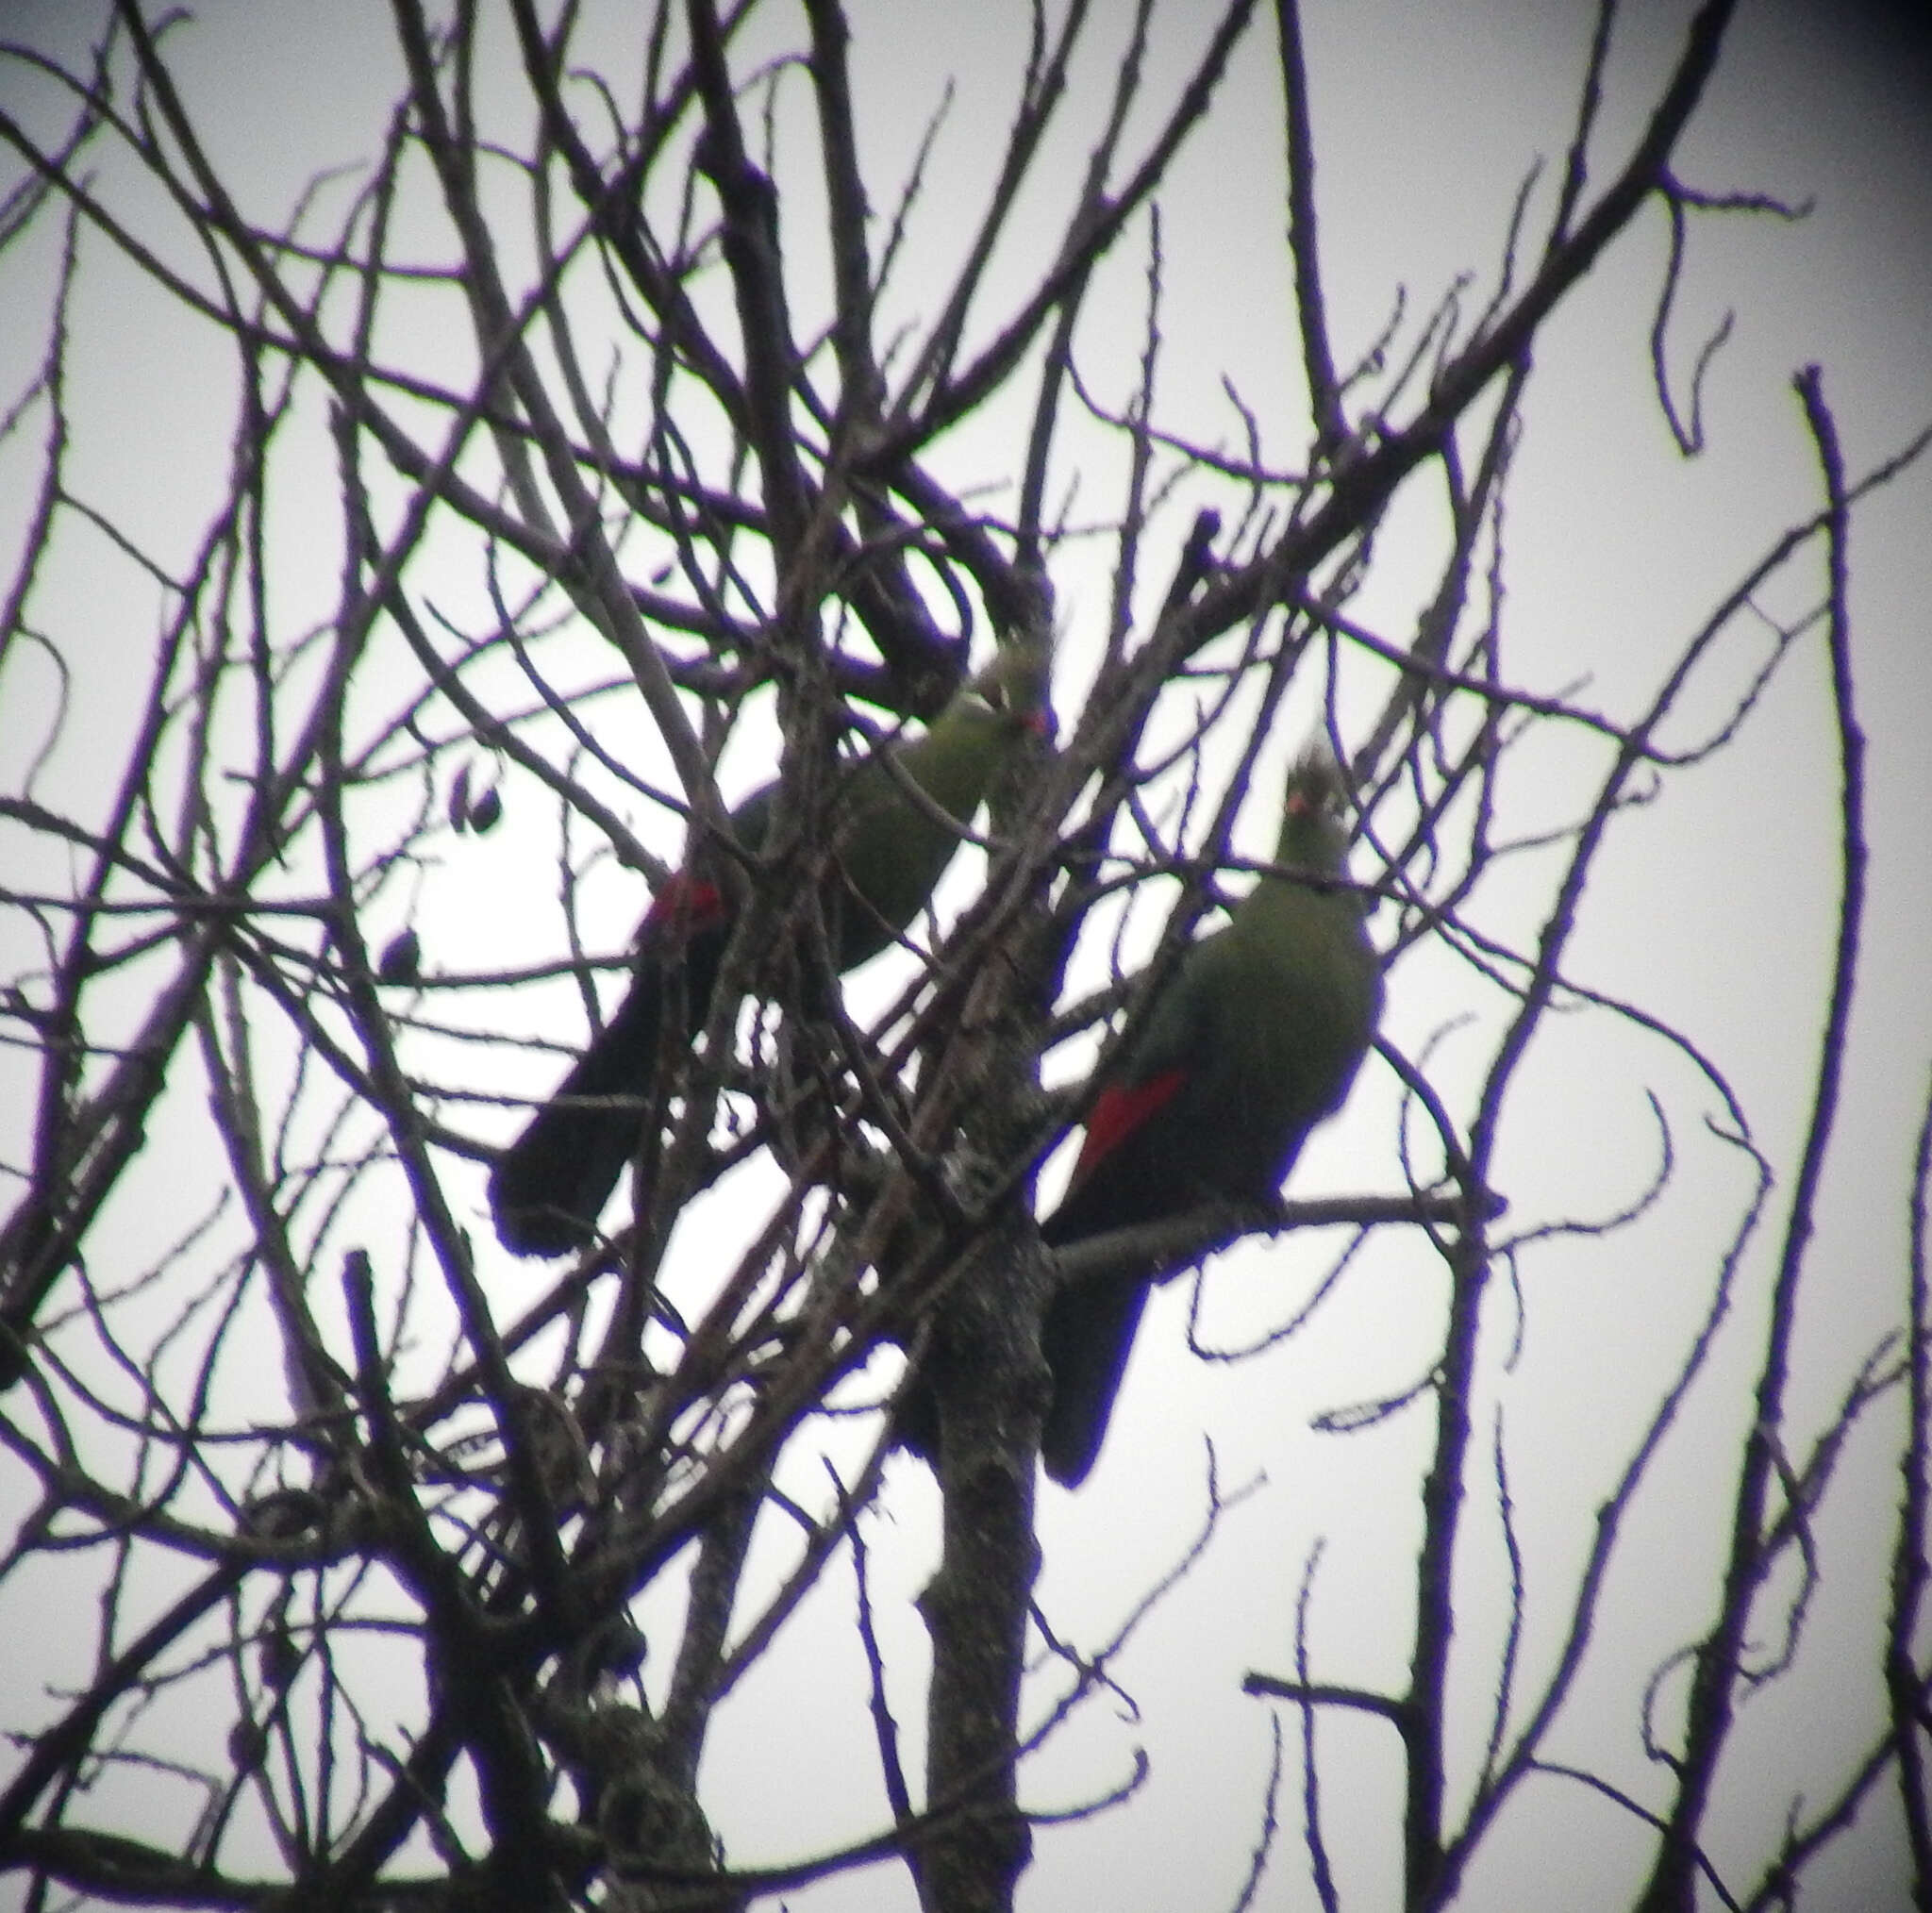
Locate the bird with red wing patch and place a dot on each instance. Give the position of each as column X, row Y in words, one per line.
column 549, row 1186
column 1253, row 1039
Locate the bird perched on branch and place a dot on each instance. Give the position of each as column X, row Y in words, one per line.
column 1253, row 1039
column 896, row 825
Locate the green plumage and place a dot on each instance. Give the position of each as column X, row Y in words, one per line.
column 1254, row 1039
column 890, row 847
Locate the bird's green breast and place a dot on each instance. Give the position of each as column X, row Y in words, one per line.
column 1270, row 1017
column 894, row 848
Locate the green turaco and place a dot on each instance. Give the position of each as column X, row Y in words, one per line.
column 891, row 847
column 1254, row 1038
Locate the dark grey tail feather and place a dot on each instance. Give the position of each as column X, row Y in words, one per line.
column 1087, row 1338
column 551, row 1184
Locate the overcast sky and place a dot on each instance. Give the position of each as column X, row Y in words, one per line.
column 1715, row 912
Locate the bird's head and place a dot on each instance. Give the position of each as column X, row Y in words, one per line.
column 1314, row 811
column 1013, row 687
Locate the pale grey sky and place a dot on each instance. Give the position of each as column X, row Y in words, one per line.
column 1715, row 911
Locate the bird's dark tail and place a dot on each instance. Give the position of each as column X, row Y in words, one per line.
column 1087, row 1337
column 551, row 1184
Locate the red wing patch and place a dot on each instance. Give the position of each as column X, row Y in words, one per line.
column 685, row 904
column 1120, row 1111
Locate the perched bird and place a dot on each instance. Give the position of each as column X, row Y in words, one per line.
column 1254, row 1038
column 550, row 1185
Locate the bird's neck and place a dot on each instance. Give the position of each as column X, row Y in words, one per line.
column 1314, row 850
column 1305, row 903
column 948, row 763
